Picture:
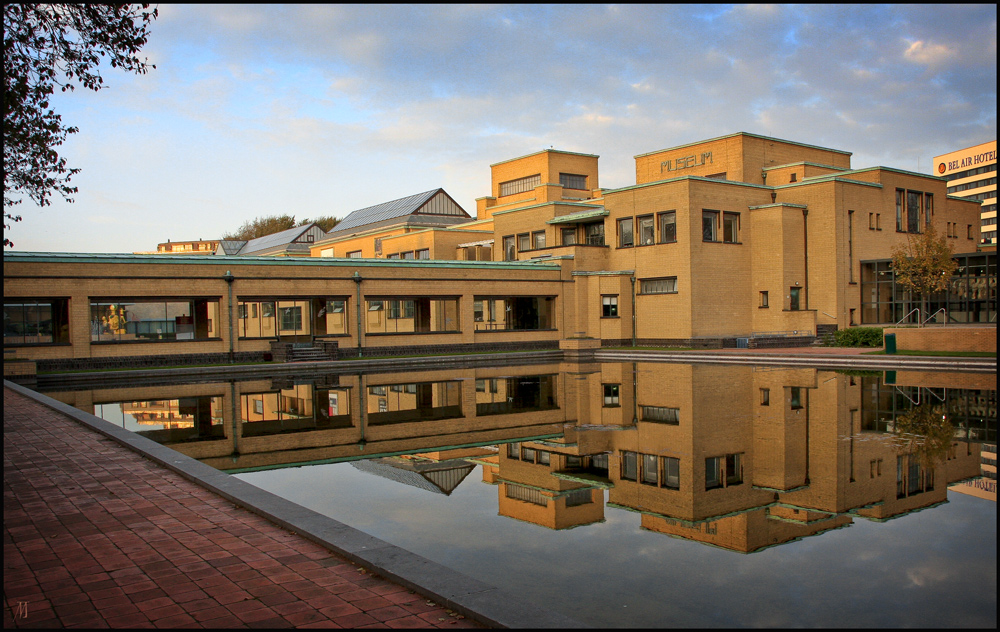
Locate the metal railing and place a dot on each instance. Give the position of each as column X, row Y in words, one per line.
column 915, row 309
column 935, row 314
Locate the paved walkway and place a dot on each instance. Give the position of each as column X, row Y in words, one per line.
column 97, row 536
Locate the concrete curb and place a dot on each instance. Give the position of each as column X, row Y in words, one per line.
column 472, row 598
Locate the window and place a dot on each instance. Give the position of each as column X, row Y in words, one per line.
column 666, row 285
column 538, row 239
column 394, row 255
column 646, row 232
column 378, row 246
column 595, row 234
column 408, row 254
column 650, row 471
column 625, row 238
column 514, row 451
column 424, row 253
column 521, row 185
column 910, row 206
column 411, row 315
column 795, row 396
column 609, row 306
column 661, row 414
column 709, row 222
column 291, row 318
column 871, row 221
column 630, row 466
column 569, row 236
column 968, row 231
column 723, row 471
column 35, row 321
column 524, row 242
column 671, row 473
column 509, row 253
column 354, row 255
column 114, row 320
column 763, row 299
column 731, row 228
column 765, row 397
column 611, row 394
column 572, row 181
column 794, row 178
column 668, row 227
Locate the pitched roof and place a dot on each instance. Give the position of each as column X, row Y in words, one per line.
column 274, row 240
column 385, row 211
column 230, row 246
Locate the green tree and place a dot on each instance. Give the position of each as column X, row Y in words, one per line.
column 56, row 45
column 923, row 265
column 326, row 222
column 261, row 226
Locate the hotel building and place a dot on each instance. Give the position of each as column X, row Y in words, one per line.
column 972, row 174
column 741, row 240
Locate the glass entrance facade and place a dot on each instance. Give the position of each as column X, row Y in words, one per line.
column 971, row 295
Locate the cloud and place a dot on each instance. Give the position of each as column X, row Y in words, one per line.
column 921, row 52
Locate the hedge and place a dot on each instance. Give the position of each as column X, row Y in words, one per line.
column 859, row 337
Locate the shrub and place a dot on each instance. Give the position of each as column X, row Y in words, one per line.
column 859, row 337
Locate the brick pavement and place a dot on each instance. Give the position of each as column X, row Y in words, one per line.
column 97, row 536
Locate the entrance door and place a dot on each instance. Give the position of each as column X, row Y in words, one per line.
column 793, row 295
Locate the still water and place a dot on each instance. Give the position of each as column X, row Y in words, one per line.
column 633, row 494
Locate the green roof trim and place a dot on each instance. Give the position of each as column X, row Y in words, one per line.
column 751, row 135
column 578, row 216
column 553, row 151
column 234, row 260
column 533, row 206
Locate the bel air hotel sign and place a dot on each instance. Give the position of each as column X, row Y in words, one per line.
column 686, row 162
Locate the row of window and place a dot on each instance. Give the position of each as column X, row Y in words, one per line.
column 972, row 185
column 952, row 230
column 958, row 175
column 423, row 253
column 646, row 230
column 528, row 183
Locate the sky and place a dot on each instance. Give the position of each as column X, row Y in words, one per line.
column 321, row 110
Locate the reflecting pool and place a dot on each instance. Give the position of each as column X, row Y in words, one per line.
column 633, row 494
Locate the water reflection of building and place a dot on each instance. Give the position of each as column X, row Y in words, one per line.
column 733, row 456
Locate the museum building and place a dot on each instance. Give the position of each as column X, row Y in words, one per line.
column 741, row 240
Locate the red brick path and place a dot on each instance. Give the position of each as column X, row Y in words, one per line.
column 97, row 536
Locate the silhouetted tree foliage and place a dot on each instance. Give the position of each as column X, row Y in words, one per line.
column 326, row 222
column 56, row 45
column 271, row 224
column 924, row 265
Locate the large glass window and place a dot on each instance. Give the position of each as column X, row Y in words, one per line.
column 538, row 239
column 595, row 234
column 421, row 401
column 625, row 236
column 35, row 321
column 126, row 320
column 709, row 225
column 667, row 285
column 569, row 236
column 509, row 252
column 411, row 315
column 731, row 227
column 521, row 185
column 668, row 227
column 646, row 231
column 573, row 181
column 516, row 313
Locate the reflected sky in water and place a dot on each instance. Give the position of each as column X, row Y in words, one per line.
column 776, row 497
column 934, row 568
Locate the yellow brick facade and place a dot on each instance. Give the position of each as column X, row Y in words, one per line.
column 732, row 238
